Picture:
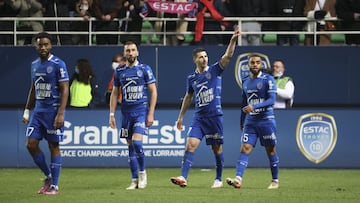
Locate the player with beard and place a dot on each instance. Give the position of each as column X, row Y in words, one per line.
column 257, row 121
column 49, row 93
column 139, row 96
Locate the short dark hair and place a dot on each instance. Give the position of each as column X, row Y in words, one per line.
column 254, row 55
column 197, row 50
column 43, row 35
column 129, row 43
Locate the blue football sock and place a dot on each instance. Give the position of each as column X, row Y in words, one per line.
column 139, row 154
column 186, row 163
column 219, row 158
column 40, row 161
column 55, row 167
column 242, row 164
column 133, row 163
column 274, row 166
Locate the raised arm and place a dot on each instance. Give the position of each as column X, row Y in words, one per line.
column 225, row 59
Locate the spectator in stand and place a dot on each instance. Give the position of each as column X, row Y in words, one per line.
column 82, row 9
column 130, row 11
column 27, row 8
column 349, row 12
column 59, row 8
column 83, row 86
column 210, row 18
column 250, row 8
column 318, row 10
column 117, row 60
column 171, row 26
column 287, row 8
column 6, row 11
column 231, row 25
column 105, row 11
column 285, row 86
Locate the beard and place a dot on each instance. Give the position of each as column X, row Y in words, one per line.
column 44, row 54
column 255, row 72
column 131, row 59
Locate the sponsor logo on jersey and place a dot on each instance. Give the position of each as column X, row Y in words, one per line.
column 316, row 136
column 242, row 69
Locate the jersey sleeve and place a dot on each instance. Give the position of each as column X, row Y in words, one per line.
column 149, row 75
column 116, row 81
column 270, row 94
column 62, row 72
column 217, row 69
column 189, row 88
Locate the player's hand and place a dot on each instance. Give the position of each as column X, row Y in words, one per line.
column 112, row 122
column 149, row 120
column 59, row 121
column 179, row 125
column 26, row 116
column 236, row 34
column 24, row 120
column 248, row 109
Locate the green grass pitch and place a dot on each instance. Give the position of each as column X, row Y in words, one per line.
column 108, row 185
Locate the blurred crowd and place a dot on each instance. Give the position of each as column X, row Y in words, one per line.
column 209, row 14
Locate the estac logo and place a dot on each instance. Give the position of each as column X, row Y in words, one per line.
column 242, row 69
column 316, row 136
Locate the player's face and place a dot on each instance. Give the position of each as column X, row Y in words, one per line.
column 43, row 46
column 131, row 53
column 255, row 65
column 201, row 59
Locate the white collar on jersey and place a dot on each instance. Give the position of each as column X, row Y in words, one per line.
column 260, row 73
column 50, row 57
column 136, row 63
column 205, row 69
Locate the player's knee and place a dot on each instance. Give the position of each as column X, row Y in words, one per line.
column 32, row 147
column 246, row 148
column 191, row 147
column 217, row 149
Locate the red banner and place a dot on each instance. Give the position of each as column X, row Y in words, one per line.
column 171, row 7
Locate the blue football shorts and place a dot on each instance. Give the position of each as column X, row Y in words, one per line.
column 41, row 125
column 133, row 122
column 210, row 127
column 265, row 130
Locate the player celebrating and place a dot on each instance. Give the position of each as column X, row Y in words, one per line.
column 257, row 121
column 137, row 108
column 205, row 85
column 49, row 93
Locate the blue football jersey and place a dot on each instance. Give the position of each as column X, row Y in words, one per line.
column 206, row 87
column 259, row 92
column 133, row 82
column 46, row 77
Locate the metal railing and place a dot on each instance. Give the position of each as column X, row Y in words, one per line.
column 91, row 32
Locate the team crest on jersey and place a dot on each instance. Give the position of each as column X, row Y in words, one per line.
column 49, row 69
column 208, row 75
column 316, row 136
column 139, row 73
column 242, row 69
column 259, row 85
